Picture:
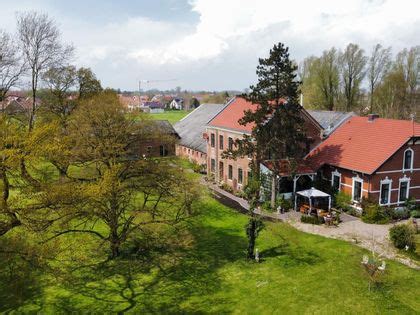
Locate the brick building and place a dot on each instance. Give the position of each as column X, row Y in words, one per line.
column 373, row 158
column 224, row 129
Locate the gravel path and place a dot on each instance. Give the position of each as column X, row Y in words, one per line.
column 373, row 237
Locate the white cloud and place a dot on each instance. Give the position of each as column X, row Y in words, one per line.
column 221, row 50
column 331, row 22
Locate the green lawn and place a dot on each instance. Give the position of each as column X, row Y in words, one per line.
column 172, row 115
column 200, row 269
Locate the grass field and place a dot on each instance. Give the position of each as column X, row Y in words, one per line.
column 201, row 269
column 172, row 116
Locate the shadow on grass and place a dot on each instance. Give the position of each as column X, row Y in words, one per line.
column 158, row 280
column 19, row 273
column 292, row 256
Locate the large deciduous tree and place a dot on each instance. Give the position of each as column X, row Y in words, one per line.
column 378, row 66
column 12, row 65
column 88, row 84
column 352, row 63
column 321, row 80
column 110, row 188
column 42, row 49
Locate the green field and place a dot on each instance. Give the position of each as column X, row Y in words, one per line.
column 172, row 115
column 200, row 268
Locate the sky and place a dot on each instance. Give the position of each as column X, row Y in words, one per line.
column 213, row 44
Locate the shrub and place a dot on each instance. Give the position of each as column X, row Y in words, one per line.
column 415, row 213
column 402, row 235
column 343, row 201
column 240, row 194
column 226, row 187
column 311, row 219
column 197, row 168
column 373, row 213
column 266, row 206
column 400, row 214
column 285, row 204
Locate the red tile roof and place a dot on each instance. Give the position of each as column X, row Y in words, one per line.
column 363, row 146
column 232, row 113
column 285, row 167
column 234, row 110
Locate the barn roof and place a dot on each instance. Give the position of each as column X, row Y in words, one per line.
column 192, row 126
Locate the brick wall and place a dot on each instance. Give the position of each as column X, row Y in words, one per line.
column 191, row 154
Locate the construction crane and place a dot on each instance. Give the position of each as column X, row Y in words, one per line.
column 151, row 81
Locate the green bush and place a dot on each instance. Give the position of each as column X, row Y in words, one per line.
column 311, row 219
column 400, row 214
column 343, row 201
column 285, row 204
column 197, row 168
column 226, row 187
column 266, row 206
column 415, row 213
column 403, row 235
column 373, row 213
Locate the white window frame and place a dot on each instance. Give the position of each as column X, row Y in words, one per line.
column 385, row 181
column 360, row 180
column 407, row 180
column 412, row 160
column 336, row 173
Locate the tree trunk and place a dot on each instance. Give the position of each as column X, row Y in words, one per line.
column 252, row 227
column 13, row 220
column 115, row 249
column 273, row 191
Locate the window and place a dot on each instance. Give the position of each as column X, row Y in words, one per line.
column 221, row 169
column 163, row 150
column 230, row 172
column 408, row 159
column 336, row 180
column 212, row 165
column 212, row 140
column 357, row 189
column 230, row 141
column 404, row 190
column 221, row 142
column 240, row 176
column 385, row 192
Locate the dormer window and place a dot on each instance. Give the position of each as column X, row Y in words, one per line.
column 408, row 159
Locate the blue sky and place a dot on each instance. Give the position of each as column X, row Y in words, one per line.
column 213, row 44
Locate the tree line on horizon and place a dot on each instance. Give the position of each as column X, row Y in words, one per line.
column 364, row 82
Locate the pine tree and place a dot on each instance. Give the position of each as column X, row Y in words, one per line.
column 278, row 131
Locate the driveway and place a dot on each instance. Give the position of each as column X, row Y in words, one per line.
column 374, row 237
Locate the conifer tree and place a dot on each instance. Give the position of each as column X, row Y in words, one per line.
column 278, row 132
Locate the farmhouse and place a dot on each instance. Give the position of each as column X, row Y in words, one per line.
column 191, row 129
column 224, row 129
column 372, row 157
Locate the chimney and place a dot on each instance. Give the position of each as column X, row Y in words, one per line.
column 372, row 117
